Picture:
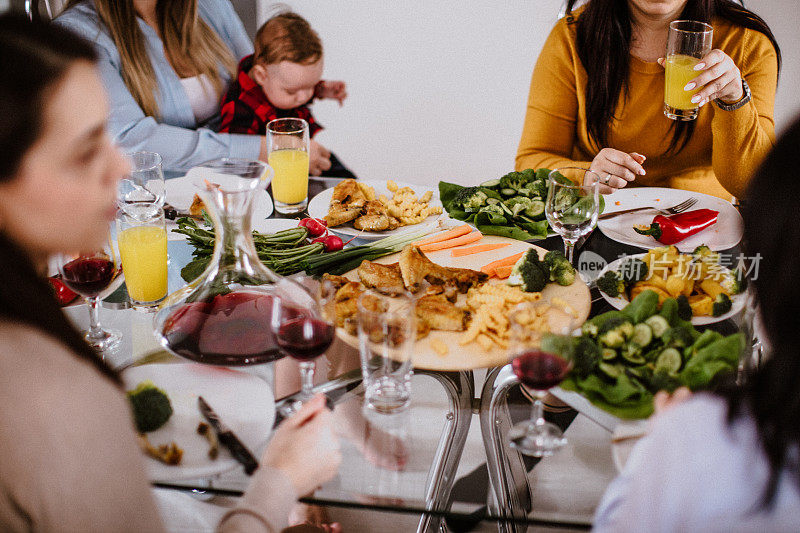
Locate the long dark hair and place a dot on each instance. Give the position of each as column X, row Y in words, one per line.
column 604, row 32
column 34, row 57
column 772, row 393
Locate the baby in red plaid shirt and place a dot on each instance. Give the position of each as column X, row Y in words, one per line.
column 280, row 80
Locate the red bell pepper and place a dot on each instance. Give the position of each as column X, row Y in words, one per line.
column 675, row 228
column 64, row 294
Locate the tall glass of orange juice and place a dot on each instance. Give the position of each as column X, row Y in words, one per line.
column 688, row 41
column 287, row 146
column 142, row 241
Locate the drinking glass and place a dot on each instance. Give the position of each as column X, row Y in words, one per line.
column 145, row 183
column 687, row 42
column 142, row 240
column 539, row 370
column 573, row 204
column 305, row 328
column 92, row 274
column 386, row 335
column 287, row 146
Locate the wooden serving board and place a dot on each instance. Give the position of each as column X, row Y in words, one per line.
column 471, row 356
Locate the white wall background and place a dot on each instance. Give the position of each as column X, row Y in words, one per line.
column 437, row 90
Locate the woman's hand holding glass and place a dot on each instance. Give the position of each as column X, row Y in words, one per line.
column 720, row 78
column 305, row 448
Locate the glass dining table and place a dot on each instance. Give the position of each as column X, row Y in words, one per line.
column 446, row 459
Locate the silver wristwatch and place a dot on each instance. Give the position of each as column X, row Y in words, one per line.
column 736, row 105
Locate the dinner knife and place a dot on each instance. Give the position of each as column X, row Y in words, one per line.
column 238, row 450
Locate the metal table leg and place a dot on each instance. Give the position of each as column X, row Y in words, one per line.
column 460, row 389
column 512, row 492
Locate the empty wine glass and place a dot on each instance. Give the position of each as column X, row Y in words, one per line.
column 305, row 328
column 573, row 204
column 92, row 274
column 539, row 369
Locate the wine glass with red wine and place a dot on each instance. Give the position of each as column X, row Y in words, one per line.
column 538, row 370
column 305, row 330
column 93, row 274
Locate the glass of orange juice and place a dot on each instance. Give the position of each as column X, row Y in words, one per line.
column 142, row 241
column 287, row 146
column 688, row 41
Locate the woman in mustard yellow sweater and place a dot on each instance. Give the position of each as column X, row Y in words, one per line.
column 597, row 93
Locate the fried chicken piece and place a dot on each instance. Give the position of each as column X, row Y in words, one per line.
column 346, row 304
column 346, row 204
column 448, row 291
column 415, row 268
column 338, row 281
column 170, row 454
column 340, row 213
column 375, row 217
column 386, row 279
column 436, row 311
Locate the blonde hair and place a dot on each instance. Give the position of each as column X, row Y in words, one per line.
column 182, row 31
column 287, row 37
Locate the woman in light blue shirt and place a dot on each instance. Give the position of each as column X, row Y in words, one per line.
column 731, row 461
column 175, row 117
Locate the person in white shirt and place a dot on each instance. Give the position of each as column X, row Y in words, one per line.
column 730, row 461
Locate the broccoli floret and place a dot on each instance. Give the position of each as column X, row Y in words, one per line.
column 151, row 406
column 552, row 258
column 611, row 284
column 514, row 180
column 470, row 199
column 684, row 309
column 529, row 272
column 561, row 271
column 633, row 270
column 493, row 209
column 735, row 282
column 704, row 253
column 518, row 204
column 722, row 304
column 614, row 332
column 538, row 188
column 586, row 356
column 563, row 274
column 678, row 337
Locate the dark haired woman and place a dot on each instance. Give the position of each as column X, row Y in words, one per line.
column 69, row 458
column 597, row 95
column 731, row 462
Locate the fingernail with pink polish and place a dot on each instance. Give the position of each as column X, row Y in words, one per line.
column 689, row 86
column 695, row 99
column 700, row 66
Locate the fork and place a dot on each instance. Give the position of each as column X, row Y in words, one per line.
column 674, row 210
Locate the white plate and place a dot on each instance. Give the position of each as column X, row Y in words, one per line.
column 243, row 402
column 181, row 191
column 318, row 208
column 737, row 300
column 725, row 234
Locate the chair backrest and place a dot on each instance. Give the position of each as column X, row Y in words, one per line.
column 43, row 9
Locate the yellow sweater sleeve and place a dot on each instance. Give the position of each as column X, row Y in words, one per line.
column 742, row 138
column 548, row 134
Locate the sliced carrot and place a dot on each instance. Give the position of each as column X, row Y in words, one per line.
column 449, row 234
column 510, row 260
column 452, row 243
column 478, row 248
column 504, row 271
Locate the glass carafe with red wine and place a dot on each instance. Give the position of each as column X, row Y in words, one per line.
column 539, row 370
column 93, row 274
column 226, row 315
